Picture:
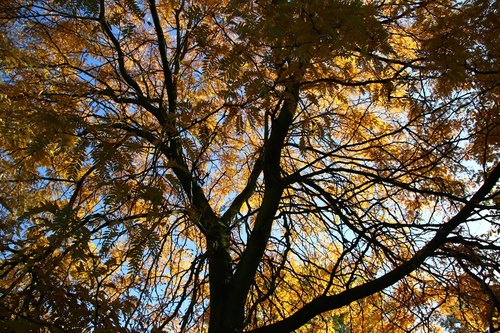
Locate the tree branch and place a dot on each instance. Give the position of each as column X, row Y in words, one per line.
column 249, row 189
column 327, row 303
column 256, row 245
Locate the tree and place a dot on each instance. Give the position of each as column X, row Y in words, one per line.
column 257, row 166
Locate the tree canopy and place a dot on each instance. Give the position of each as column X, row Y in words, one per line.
column 249, row 166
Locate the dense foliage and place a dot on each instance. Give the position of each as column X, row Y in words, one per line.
column 249, row 166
